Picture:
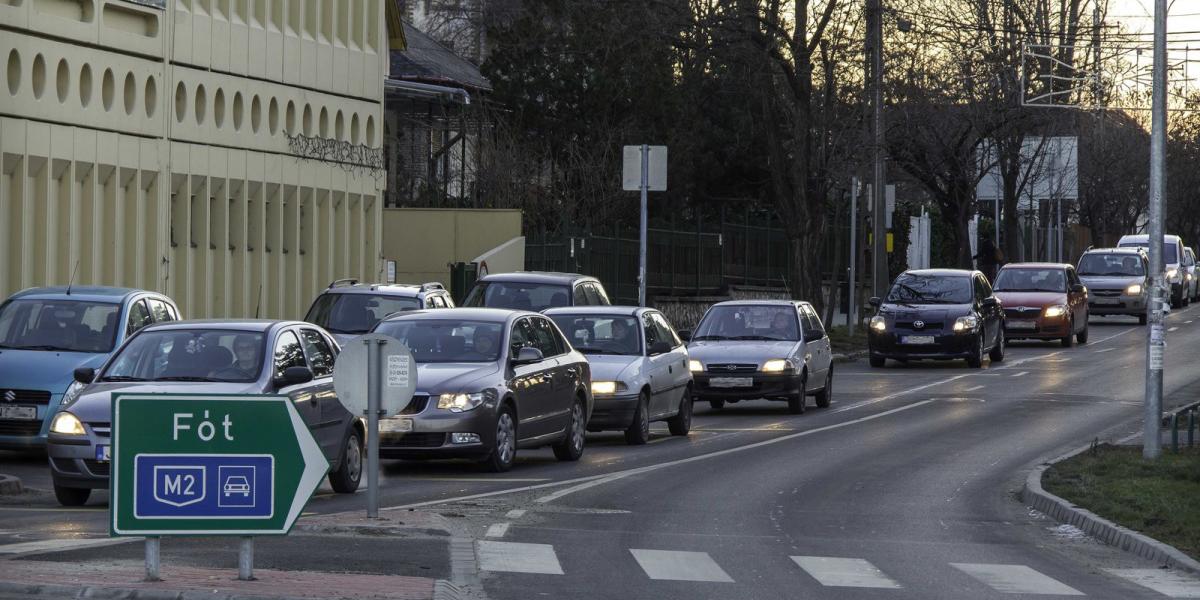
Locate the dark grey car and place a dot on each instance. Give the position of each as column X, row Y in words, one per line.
column 489, row 382
column 207, row 357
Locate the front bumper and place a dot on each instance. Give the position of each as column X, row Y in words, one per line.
column 770, row 386
column 945, row 346
column 73, row 461
column 613, row 412
column 29, row 434
column 1043, row 328
column 1117, row 305
column 430, row 437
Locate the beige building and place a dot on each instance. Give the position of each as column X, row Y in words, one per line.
column 225, row 152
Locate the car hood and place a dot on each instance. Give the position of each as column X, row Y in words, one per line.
column 925, row 312
column 732, row 351
column 95, row 403
column 611, row 367
column 1038, row 299
column 1101, row 282
column 444, row 378
column 42, row 370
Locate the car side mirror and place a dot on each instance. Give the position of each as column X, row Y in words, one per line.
column 528, row 355
column 1078, row 288
column 875, row 301
column 685, row 334
column 294, row 376
column 85, row 375
column 659, row 348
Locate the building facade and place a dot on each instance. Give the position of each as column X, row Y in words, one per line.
column 224, row 152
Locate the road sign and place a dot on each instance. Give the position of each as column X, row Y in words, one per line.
column 185, row 464
column 396, row 363
column 656, row 170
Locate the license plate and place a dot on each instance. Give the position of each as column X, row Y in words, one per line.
column 104, row 453
column 1106, row 301
column 23, row 413
column 731, row 382
column 395, row 425
column 917, row 339
column 1021, row 324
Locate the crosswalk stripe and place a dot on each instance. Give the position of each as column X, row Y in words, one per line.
column 1167, row 583
column 513, row 557
column 680, row 566
column 831, row 571
column 62, row 544
column 1016, row 579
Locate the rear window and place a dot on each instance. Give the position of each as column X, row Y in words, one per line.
column 518, row 295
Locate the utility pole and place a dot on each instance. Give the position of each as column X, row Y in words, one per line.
column 852, row 304
column 880, row 280
column 1152, row 442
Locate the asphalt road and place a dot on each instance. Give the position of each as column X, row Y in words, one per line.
column 904, row 488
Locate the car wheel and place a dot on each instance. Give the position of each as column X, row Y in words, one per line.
column 825, row 397
column 505, row 451
column 1142, row 319
column 571, row 446
column 681, row 423
column 1082, row 337
column 1069, row 341
column 877, row 362
column 345, row 480
column 69, row 496
column 797, row 401
column 638, row 432
column 997, row 353
column 716, row 404
column 975, row 361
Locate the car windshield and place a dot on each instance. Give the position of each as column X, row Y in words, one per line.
column 1111, row 265
column 447, row 340
column 189, row 355
column 59, row 325
column 1170, row 250
column 599, row 334
column 518, row 296
column 931, row 289
column 761, row 322
column 356, row 313
column 1031, row 280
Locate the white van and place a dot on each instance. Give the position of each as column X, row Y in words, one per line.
column 1173, row 261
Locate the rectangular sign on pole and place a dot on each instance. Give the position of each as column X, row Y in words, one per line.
column 631, row 172
column 210, row 464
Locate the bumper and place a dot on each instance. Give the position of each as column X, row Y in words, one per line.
column 430, row 437
column 31, row 434
column 771, row 387
column 73, row 463
column 945, row 346
column 1127, row 305
column 613, row 412
column 1043, row 328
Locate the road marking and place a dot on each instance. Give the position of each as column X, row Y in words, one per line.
column 473, row 479
column 497, row 530
column 972, row 389
column 1168, row 583
column 515, row 513
column 1021, row 374
column 1016, row 579
column 845, row 572
column 1173, row 329
column 62, row 544
column 1105, row 350
column 747, row 429
column 680, row 566
column 512, row 557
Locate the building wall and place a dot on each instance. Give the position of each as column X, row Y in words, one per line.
column 423, row 241
column 221, row 151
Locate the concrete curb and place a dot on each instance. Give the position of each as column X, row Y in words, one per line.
column 1098, row 527
column 118, row 593
column 839, row 357
column 10, row 485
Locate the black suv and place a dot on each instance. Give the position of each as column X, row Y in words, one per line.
column 937, row 314
column 348, row 309
column 536, row 291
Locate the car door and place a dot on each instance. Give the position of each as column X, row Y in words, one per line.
column 287, row 352
column 658, row 366
column 1077, row 298
column 330, row 428
column 137, row 317
column 678, row 375
column 161, row 311
column 816, row 344
column 579, row 295
column 559, row 366
column 531, row 386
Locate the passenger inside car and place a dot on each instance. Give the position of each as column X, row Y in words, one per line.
column 245, row 363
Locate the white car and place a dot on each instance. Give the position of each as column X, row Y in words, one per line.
column 1173, row 263
column 639, row 368
column 1192, row 274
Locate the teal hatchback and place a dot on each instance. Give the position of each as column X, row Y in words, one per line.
column 47, row 333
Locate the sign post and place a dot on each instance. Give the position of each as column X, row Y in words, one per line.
column 644, row 170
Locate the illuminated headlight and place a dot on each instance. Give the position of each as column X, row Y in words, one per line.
column 776, row 365
column 1172, row 273
column 607, row 388
column 695, row 366
column 1134, row 290
column 878, row 324
column 460, row 402
column 66, row 423
column 72, row 394
column 968, row 323
column 1055, row 311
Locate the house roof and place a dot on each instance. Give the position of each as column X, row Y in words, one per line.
column 426, row 61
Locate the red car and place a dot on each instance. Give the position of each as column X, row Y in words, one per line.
column 1044, row 301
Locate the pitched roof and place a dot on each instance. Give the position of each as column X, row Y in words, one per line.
column 426, row 61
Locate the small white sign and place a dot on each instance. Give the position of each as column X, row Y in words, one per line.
column 397, row 370
column 656, row 175
column 391, row 271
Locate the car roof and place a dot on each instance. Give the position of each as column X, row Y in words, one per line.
column 538, row 277
column 597, row 310
column 496, row 315
column 91, row 293
column 1036, row 265
column 1126, row 250
column 941, row 272
column 378, row 289
column 251, row 325
column 763, row 302
column 1144, row 237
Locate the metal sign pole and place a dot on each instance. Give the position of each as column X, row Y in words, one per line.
column 152, row 559
column 246, row 559
column 373, row 373
column 851, row 313
column 1151, row 442
column 642, row 234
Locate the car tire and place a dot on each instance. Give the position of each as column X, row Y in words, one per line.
column 1142, row 319
column 825, row 397
column 1082, row 337
column 571, row 446
column 638, row 432
column 878, row 362
column 975, row 361
column 345, row 480
column 504, row 453
column 681, row 423
column 997, row 353
column 69, row 496
column 796, row 402
column 1069, row 341
column 716, row 404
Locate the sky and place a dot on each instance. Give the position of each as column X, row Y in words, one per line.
column 1183, row 15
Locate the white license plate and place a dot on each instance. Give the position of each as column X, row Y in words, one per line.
column 917, row 339
column 1021, row 325
column 731, row 382
column 23, row 413
column 1106, row 301
column 395, row 425
column 104, row 453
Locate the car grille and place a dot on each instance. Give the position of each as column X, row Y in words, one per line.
column 418, row 440
column 417, row 405
column 98, row 468
column 20, row 427
column 1018, row 313
column 1106, row 293
column 929, row 325
column 732, row 368
column 25, row 396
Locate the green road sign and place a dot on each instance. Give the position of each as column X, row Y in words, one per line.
column 185, row 464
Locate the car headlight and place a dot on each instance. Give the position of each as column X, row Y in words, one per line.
column 72, row 394
column 878, row 324
column 66, row 423
column 607, row 388
column 967, row 323
column 1134, row 290
column 695, row 366
column 460, row 402
column 1055, row 311
column 1171, row 273
column 776, row 365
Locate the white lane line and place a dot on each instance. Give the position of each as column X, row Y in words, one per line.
column 680, row 566
column 1105, row 350
column 972, row 389
column 1167, row 583
column 1021, row 374
column 745, row 429
column 511, row 557
column 1173, row 329
column 1187, row 322
column 473, row 479
column 1016, row 579
column 63, row 544
column 515, row 513
column 497, row 530
column 845, row 572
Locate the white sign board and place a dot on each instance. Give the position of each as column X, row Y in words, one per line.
column 391, row 271
column 631, row 174
column 396, row 370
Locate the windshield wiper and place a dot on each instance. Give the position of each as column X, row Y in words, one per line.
column 185, row 378
column 122, row 378
column 49, row 347
column 755, row 338
column 587, row 350
column 701, row 338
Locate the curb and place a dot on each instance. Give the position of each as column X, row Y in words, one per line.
column 117, row 593
column 839, row 357
column 10, row 485
column 1098, row 527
